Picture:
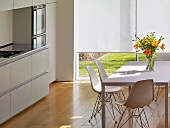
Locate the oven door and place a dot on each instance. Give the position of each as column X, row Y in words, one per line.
column 39, row 20
column 39, row 41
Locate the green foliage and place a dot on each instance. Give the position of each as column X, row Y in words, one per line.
column 81, row 56
column 110, row 61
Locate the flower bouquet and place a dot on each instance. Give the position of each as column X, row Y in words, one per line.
column 149, row 45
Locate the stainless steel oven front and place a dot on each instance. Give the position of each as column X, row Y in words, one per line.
column 39, row 19
column 39, row 26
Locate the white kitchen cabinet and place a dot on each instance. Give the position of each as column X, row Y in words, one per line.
column 38, row 2
column 5, row 78
column 4, row 107
column 6, row 5
column 20, row 71
column 21, row 98
column 51, row 38
column 22, row 3
column 24, row 81
column 40, row 87
column 51, row 1
column 40, row 62
column 65, row 40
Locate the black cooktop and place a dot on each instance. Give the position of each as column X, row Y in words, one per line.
column 11, row 50
column 9, row 53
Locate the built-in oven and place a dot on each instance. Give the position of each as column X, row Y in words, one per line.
column 39, row 41
column 30, row 26
column 39, row 26
column 39, row 18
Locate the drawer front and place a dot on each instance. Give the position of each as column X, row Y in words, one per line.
column 4, row 107
column 5, row 78
column 40, row 62
column 40, row 88
column 20, row 98
column 20, row 71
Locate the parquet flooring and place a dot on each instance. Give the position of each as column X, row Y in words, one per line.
column 70, row 104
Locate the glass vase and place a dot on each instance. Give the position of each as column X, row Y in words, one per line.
column 150, row 64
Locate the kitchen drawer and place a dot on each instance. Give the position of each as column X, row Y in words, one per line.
column 4, row 107
column 40, row 62
column 20, row 71
column 5, row 78
column 21, row 98
column 40, row 87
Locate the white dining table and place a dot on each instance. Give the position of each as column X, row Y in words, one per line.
column 134, row 71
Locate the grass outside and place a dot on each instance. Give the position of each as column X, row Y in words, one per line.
column 111, row 62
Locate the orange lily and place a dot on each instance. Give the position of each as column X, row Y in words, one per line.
column 147, row 52
column 154, row 43
column 136, row 45
column 162, row 46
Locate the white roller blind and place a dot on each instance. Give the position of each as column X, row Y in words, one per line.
column 153, row 16
column 102, row 26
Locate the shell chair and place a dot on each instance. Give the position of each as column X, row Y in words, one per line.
column 109, row 90
column 141, row 95
column 103, row 76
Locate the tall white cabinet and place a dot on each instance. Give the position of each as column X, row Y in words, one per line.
column 65, row 40
column 51, row 38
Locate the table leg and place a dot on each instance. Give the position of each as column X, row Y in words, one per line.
column 103, row 106
column 166, row 106
column 129, row 89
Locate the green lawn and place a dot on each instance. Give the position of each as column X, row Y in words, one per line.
column 110, row 61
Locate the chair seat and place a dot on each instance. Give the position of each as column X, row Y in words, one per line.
column 114, row 89
column 121, row 102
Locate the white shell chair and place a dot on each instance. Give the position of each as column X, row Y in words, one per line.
column 103, row 76
column 109, row 90
column 141, row 95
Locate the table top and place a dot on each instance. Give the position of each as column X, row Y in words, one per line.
column 134, row 71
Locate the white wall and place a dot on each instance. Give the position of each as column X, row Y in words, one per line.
column 65, row 41
column 6, row 23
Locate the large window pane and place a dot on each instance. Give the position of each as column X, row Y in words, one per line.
column 153, row 16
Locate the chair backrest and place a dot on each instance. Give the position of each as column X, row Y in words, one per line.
column 93, row 78
column 101, row 70
column 163, row 57
column 141, row 94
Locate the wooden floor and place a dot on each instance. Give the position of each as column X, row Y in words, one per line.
column 69, row 105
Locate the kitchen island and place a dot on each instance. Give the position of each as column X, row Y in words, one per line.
column 24, row 79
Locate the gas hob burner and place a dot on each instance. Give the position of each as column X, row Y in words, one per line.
column 8, row 54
